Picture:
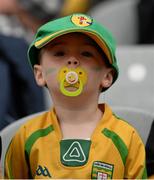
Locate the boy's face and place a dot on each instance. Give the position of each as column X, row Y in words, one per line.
column 74, row 50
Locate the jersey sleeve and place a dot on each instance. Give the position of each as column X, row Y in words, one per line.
column 135, row 162
column 15, row 160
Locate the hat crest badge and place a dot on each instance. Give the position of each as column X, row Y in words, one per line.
column 81, row 20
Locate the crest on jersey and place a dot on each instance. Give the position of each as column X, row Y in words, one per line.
column 81, row 20
column 102, row 171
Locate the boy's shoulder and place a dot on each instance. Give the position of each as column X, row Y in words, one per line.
column 120, row 128
column 115, row 121
column 37, row 123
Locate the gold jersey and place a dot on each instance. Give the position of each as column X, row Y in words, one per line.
column 114, row 151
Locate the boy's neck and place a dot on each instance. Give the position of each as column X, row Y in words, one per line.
column 84, row 118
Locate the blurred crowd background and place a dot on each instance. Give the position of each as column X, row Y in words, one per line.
column 130, row 21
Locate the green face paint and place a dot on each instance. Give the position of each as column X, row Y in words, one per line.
column 97, row 68
column 72, row 79
column 49, row 71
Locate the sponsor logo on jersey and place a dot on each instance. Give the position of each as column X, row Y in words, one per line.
column 102, row 170
column 43, row 171
column 74, row 152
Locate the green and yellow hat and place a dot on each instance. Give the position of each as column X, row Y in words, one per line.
column 74, row 23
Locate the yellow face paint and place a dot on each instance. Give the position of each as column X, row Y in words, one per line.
column 72, row 81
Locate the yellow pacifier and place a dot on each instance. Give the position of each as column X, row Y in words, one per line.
column 72, row 81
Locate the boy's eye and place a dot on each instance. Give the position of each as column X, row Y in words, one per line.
column 86, row 54
column 59, row 53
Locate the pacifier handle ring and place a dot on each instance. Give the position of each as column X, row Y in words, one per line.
column 73, row 93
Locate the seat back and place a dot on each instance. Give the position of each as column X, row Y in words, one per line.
column 139, row 119
column 8, row 132
column 135, row 84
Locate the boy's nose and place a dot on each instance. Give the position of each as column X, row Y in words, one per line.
column 73, row 62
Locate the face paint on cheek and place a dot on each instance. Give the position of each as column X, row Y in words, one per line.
column 49, row 71
column 72, row 81
column 97, row 68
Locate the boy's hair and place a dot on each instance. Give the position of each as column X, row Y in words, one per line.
column 75, row 23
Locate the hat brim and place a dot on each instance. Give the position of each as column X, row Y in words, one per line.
column 92, row 34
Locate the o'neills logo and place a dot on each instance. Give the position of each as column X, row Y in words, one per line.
column 81, row 20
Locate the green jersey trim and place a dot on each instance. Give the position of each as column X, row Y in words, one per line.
column 144, row 176
column 32, row 139
column 10, row 171
column 118, row 142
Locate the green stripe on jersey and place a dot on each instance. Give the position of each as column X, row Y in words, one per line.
column 31, row 140
column 144, row 176
column 118, row 142
column 10, row 171
column 37, row 134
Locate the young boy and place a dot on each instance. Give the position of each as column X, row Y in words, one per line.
column 74, row 57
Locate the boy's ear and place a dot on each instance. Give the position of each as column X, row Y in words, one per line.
column 39, row 77
column 107, row 78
